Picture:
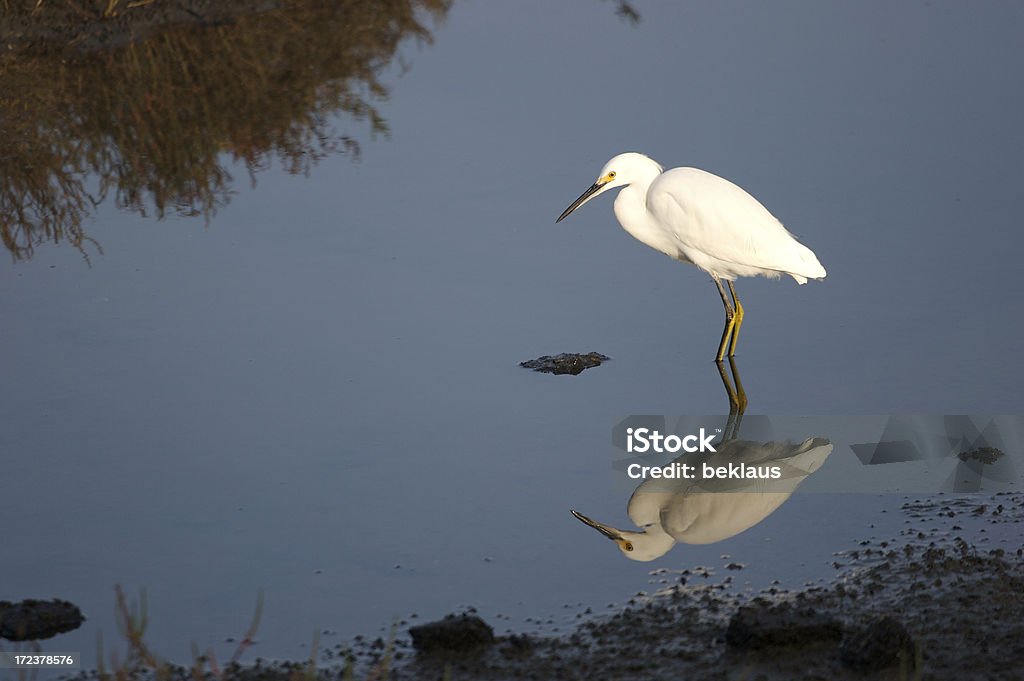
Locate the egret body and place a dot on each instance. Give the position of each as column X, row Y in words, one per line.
column 704, row 220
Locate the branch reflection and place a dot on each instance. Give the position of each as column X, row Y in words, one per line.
column 156, row 124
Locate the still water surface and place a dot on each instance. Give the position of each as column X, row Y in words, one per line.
column 313, row 392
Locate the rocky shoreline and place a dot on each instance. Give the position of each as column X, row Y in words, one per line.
column 943, row 600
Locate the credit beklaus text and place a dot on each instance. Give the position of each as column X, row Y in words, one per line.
column 685, row 471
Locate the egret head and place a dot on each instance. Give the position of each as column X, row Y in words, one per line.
column 623, row 170
column 642, row 546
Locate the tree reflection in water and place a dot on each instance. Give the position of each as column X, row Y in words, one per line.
column 157, row 123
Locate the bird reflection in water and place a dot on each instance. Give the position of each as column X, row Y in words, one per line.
column 703, row 510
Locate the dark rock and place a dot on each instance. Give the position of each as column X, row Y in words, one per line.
column 985, row 455
column 766, row 626
column 517, row 645
column 32, row 620
column 455, row 633
column 566, row 363
column 880, row 644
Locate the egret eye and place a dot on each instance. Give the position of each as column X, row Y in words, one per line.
column 611, row 175
column 627, row 546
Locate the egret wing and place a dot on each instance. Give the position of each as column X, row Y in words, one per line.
column 712, row 219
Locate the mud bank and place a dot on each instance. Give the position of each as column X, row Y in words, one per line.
column 943, row 600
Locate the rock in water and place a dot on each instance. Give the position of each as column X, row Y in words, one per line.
column 565, row 363
column 32, row 620
column 455, row 633
column 766, row 626
column 881, row 644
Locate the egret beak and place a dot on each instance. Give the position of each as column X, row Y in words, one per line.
column 584, row 197
column 609, row 532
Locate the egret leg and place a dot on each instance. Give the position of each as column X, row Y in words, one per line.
column 734, row 400
column 730, row 319
column 737, row 397
column 738, row 323
column 741, row 394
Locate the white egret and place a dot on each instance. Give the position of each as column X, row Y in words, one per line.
column 705, row 220
column 704, row 511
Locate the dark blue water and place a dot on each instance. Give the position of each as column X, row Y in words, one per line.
column 316, row 396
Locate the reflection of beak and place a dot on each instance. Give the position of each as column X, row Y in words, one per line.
column 609, row 532
column 584, row 197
